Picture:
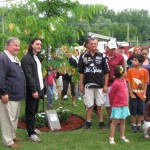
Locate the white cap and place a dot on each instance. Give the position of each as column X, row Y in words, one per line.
column 112, row 45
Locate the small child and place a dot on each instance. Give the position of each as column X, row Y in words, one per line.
column 146, row 125
column 137, row 78
column 118, row 96
column 50, row 78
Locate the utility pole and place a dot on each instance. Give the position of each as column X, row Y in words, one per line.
column 3, row 30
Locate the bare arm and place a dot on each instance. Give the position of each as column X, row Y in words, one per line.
column 105, row 83
column 81, row 83
column 145, row 89
column 130, row 91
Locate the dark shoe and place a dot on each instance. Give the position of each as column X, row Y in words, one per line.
column 88, row 125
column 102, row 125
column 17, row 139
column 139, row 129
column 14, row 145
column 134, row 129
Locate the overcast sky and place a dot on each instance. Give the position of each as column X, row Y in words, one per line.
column 118, row 5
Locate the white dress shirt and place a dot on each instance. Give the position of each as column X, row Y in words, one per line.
column 39, row 71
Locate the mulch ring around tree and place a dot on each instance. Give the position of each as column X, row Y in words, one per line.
column 74, row 122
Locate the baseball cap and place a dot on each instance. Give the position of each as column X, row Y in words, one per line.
column 112, row 45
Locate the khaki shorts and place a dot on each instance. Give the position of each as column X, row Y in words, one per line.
column 93, row 94
column 107, row 102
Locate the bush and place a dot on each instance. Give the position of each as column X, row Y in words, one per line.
column 40, row 120
column 63, row 114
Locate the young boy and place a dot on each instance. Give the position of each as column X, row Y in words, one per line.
column 137, row 78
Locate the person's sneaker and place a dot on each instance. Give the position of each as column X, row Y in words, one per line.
column 134, row 129
column 111, row 141
column 88, row 125
column 65, row 97
column 79, row 98
column 125, row 139
column 139, row 129
column 38, row 132
column 35, row 138
column 102, row 125
column 56, row 98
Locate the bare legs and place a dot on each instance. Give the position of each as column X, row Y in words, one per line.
column 100, row 113
column 122, row 130
column 73, row 100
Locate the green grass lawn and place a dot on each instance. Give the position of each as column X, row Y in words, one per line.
column 93, row 139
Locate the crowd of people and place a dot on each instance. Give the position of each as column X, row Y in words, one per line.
column 126, row 86
column 108, row 80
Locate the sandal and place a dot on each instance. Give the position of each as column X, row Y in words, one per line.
column 111, row 141
column 125, row 140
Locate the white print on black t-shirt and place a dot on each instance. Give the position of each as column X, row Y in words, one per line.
column 98, row 59
column 92, row 70
column 90, row 84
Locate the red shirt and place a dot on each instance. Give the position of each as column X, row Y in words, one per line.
column 51, row 76
column 113, row 62
column 118, row 94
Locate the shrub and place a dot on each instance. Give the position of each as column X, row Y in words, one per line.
column 40, row 120
column 63, row 114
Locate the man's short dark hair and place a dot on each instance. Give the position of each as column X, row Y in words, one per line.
column 87, row 39
column 139, row 57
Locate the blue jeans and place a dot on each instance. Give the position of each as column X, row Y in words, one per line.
column 50, row 94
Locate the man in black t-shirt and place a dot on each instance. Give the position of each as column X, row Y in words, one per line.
column 93, row 69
